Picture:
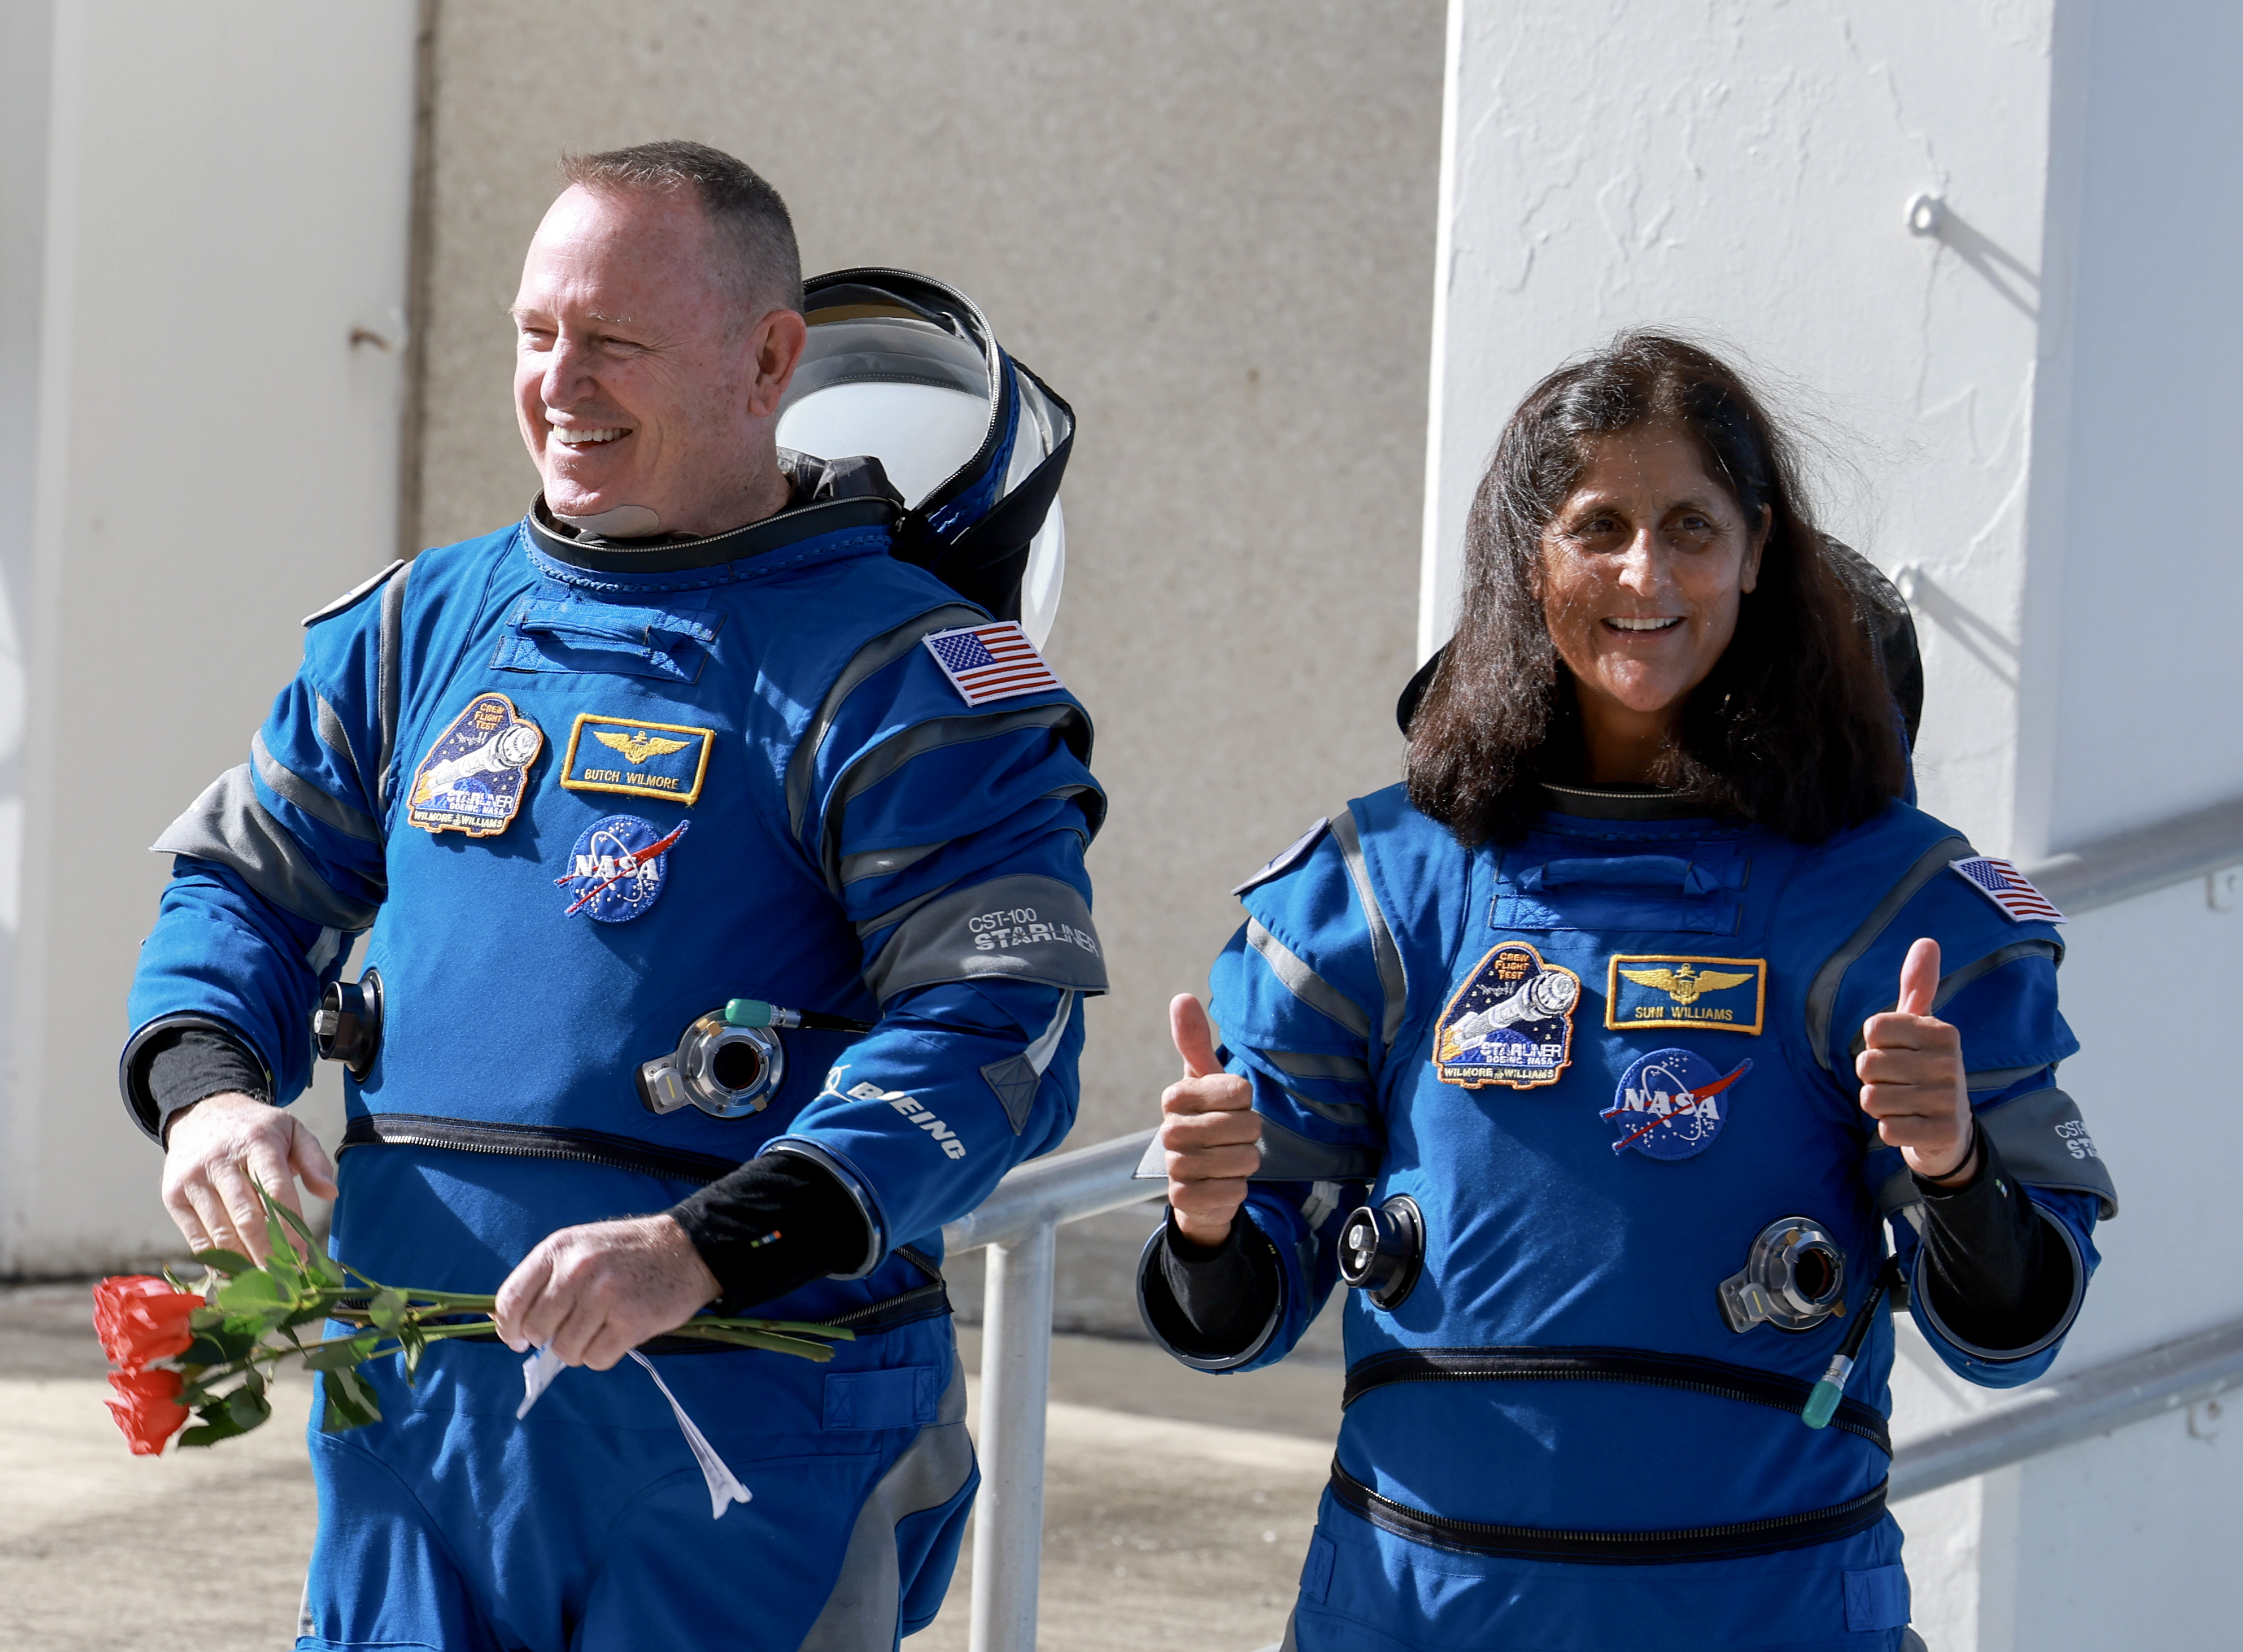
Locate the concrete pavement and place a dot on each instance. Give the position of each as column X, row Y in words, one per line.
column 1177, row 1506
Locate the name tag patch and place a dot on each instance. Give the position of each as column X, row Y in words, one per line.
column 1512, row 1022
column 646, row 760
column 1671, row 1104
column 472, row 779
column 1707, row 995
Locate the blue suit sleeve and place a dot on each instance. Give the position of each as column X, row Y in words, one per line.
column 953, row 837
column 279, row 865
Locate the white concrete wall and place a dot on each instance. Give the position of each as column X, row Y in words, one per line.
column 2038, row 409
column 200, row 204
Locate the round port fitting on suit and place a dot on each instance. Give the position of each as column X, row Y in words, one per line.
column 1794, row 1278
column 347, row 1027
column 1382, row 1249
column 726, row 1071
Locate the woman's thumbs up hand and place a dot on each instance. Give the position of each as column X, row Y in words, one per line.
column 1911, row 1074
column 1208, row 1132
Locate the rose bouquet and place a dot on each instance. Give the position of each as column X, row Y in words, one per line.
column 209, row 1349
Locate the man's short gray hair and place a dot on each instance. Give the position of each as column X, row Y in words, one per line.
column 750, row 218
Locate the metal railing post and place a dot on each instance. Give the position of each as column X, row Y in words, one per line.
column 1015, row 1383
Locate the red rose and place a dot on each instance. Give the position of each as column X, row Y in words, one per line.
column 140, row 1318
column 151, row 1413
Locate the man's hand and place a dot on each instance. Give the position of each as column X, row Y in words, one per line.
column 1212, row 1139
column 214, row 1149
column 1911, row 1076
column 593, row 1293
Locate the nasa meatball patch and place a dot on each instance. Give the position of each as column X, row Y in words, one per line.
column 1512, row 1022
column 1671, row 1104
column 618, row 868
column 473, row 778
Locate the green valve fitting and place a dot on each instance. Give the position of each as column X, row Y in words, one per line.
column 747, row 1011
column 1821, row 1404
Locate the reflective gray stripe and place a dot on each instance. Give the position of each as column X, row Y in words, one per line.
column 1979, row 969
column 1822, row 996
column 897, row 914
column 228, row 824
column 890, row 754
column 1920, row 1303
column 1304, row 984
column 1347, row 1113
column 1296, row 1063
column 882, row 651
column 1392, row 982
column 293, row 787
column 2043, row 1143
column 861, row 1614
column 350, row 595
column 1021, row 927
column 1287, row 1155
column 1017, row 1078
column 336, row 738
column 1986, row 1078
column 879, row 863
column 876, row 1248
column 388, row 668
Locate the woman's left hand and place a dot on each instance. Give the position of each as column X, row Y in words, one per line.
column 1911, row 1074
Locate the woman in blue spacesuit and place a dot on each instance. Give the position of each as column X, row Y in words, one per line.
column 1599, row 1056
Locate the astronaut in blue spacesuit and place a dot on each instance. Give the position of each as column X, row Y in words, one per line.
column 1596, row 1059
column 729, row 936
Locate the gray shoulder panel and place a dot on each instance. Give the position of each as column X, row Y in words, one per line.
column 1021, row 926
column 882, row 651
column 1393, row 983
column 389, row 667
column 1304, row 984
column 1822, row 996
column 287, row 784
column 1287, row 1155
column 363, row 588
column 2043, row 1143
column 1287, row 858
column 228, row 824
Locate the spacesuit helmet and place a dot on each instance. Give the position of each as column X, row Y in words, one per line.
column 907, row 369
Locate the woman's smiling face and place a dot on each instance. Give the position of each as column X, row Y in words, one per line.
column 1643, row 567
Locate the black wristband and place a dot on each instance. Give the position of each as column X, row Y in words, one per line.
column 771, row 1226
column 1997, row 1275
column 178, row 1066
column 1223, row 1296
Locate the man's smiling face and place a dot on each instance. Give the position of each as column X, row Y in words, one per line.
column 644, row 376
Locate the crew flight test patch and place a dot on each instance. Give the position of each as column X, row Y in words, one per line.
column 1706, row 994
column 1512, row 1022
column 644, row 759
column 472, row 779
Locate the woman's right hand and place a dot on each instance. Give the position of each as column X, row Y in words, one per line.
column 1209, row 1133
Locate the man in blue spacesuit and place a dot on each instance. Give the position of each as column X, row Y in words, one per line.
column 1597, row 1057
column 688, row 734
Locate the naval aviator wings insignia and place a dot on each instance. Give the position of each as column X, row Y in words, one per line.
column 667, row 760
column 1710, row 995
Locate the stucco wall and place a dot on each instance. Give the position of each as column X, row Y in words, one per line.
column 1210, row 229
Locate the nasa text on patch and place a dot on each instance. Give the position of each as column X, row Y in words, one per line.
column 1665, row 989
column 472, row 779
column 1671, row 1104
column 645, row 759
column 618, row 868
column 1512, row 1022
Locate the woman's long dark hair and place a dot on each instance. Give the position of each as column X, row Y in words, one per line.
column 1794, row 728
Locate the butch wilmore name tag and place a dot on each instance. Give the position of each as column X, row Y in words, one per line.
column 644, row 760
column 1714, row 994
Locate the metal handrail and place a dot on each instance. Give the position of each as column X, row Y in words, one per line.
column 1019, row 1225
column 2144, row 860
column 2096, row 1401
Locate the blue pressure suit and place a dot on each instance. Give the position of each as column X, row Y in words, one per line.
column 1602, row 1062
column 748, row 775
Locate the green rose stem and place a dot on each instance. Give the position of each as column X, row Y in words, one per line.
column 251, row 1305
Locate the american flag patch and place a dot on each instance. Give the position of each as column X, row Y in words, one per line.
column 994, row 662
column 2002, row 883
